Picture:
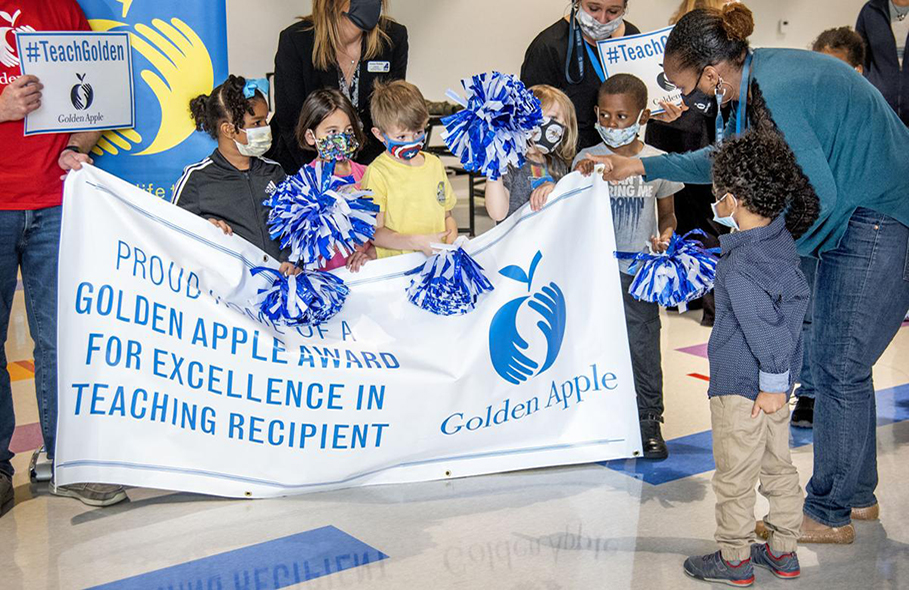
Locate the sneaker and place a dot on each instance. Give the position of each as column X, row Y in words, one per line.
column 7, row 494
column 803, row 414
column 652, row 439
column 713, row 568
column 91, row 494
column 784, row 566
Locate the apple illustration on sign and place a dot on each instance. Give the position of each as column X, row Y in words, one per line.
column 82, row 94
column 8, row 55
column 664, row 83
column 508, row 350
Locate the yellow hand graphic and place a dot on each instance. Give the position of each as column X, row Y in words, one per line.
column 185, row 69
column 114, row 141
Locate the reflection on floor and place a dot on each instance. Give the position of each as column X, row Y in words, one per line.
column 626, row 524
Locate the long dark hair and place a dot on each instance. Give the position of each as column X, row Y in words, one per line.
column 708, row 36
column 225, row 103
column 318, row 106
column 759, row 168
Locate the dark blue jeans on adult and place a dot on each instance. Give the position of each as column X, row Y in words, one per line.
column 862, row 294
column 30, row 240
column 806, row 381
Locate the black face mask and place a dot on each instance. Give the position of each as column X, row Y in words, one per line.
column 365, row 13
column 700, row 101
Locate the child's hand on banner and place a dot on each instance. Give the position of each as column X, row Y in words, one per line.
column 228, row 230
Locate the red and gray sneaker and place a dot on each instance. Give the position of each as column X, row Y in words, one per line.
column 784, row 566
column 713, row 568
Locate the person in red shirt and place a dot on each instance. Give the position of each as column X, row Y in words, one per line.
column 31, row 193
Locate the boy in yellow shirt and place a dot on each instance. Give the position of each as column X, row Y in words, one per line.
column 410, row 186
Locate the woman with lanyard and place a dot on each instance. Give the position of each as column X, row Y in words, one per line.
column 344, row 44
column 565, row 56
column 852, row 147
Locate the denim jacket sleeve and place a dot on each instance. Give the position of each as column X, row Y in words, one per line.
column 759, row 314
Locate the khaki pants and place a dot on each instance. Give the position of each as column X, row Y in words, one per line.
column 747, row 450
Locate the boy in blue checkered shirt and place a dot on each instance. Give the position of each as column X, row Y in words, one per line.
column 755, row 354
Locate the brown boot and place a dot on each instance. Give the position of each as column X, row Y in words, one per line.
column 869, row 513
column 814, row 532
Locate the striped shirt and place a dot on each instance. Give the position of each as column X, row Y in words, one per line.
column 761, row 300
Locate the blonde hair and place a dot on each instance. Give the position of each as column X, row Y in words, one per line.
column 398, row 103
column 549, row 96
column 326, row 14
column 688, row 5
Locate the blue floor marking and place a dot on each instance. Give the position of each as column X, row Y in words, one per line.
column 693, row 454
column 271, row 565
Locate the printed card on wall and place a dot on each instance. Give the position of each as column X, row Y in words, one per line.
column 87, row 78
column 642, row 56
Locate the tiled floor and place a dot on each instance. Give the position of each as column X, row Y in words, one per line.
column 615, row 526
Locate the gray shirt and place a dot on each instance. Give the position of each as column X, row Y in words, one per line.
column 518, row 180
column 634, row 204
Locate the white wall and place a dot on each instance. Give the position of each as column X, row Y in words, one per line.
column 452, row 39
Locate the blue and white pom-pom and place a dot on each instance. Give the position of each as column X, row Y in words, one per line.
column 308, row 299
column 449, row 283
column 315, row 218
column 684, row 272
column 492, row 131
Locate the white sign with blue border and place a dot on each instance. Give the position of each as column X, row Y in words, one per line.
column 641, row 56
column 87, row 78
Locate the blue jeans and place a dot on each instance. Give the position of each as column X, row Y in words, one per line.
column 30, row 240
column 862, row 294
column 806, row 381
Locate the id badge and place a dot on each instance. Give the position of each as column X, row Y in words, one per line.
column 378, row 67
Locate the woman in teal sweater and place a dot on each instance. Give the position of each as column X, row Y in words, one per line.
column 855, row 152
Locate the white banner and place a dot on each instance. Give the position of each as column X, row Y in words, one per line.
column 168, row 379
column 87, row 77
column 642, row 56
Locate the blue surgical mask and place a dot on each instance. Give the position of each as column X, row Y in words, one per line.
column 405, row 150
column 727, row 221
column 616, row 138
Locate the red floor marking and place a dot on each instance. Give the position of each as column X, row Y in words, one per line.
column 26, row 438
column 699, row 376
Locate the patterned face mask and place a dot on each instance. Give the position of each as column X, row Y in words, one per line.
column 338, row 147
column 405, row 150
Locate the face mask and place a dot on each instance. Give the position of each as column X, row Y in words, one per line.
column 365, row 13
column 595, row 29
column 699, row 100
column 616, row 138
column 727, row 221
column 258, row 141
column 405, row 150
column 548, row 136
column 338, row 147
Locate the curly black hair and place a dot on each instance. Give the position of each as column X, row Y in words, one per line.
column 760, row 170
column 842, row 39
column 226, row 102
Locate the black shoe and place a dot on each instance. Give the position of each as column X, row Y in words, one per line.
column 6, row 493
column 803, row 414
column 652, row 439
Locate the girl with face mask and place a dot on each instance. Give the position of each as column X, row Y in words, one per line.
column 228, row 187
column 552, row 148
column 329, row 126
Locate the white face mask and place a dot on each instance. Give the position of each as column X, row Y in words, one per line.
column 728, row 221
column 595, row 29
column 258, row 141
column 616, row 138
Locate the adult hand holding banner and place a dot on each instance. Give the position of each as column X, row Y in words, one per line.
column 87, row 78
column 169, row 378
column 642, row 56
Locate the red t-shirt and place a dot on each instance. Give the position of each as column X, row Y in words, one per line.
column 29, row 174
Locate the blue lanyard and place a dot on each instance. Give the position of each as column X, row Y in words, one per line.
column 597, row 67
column 741, row 120
column 574, row 34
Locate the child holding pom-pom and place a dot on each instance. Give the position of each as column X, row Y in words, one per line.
column 643, row 212
column 409, row 185
column 546, row 162
column 755, row 354
column 329, row 125
column 228, row 187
